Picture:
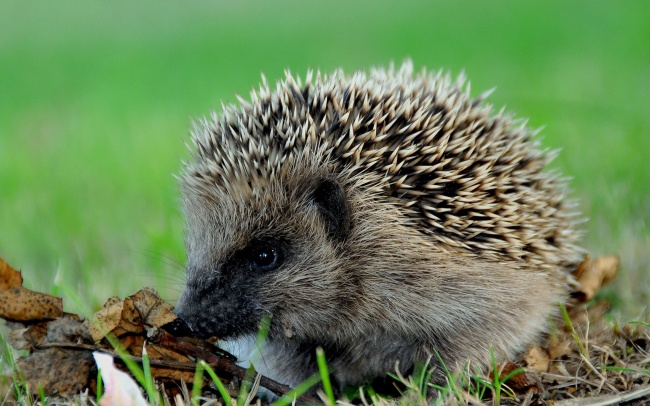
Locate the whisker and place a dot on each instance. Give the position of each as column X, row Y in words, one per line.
column 166, row 259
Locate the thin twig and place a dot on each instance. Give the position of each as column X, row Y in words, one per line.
column 606, row 400
column 595, row 371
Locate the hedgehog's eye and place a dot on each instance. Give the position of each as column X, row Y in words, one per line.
column 265, row 256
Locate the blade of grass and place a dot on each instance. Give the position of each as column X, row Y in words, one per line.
column 148, row 378
column 43, row 397
column 197, row 384
column 498, row 382
column 450, row 378
column 289, row 397
column 496, row 387
column 260, row 342
column 217, row 382
column 100, row 386
column 576, row 337
column 325, row 375
column 623, row 369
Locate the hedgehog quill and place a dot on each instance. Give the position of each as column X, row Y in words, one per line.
column 383, row 217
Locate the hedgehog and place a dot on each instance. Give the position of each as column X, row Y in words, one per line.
column 387, row 218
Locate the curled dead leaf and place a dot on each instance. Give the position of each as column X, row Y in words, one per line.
column 537, row 359
column 518, row 381
column 593, row 275
column 26, row 337
column 9, row 277
column 67, row 330
column 117, row 317
column 608, row 266
column 21, row 304
column 131, row 315
column 45, row 369
column 105, row 320
column 154, row 311
column 560, row 347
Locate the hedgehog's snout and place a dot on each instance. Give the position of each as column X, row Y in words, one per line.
column 219, row 303
column 193, row 312
column 185, row 325
column 197, row 321
column 179, row 328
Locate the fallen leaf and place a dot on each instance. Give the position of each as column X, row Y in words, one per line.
column 9, row 277
column 608, row 267
column 26, row 337
column 133, row 344
column 67, row 330
column 518, row 382
column 131, row 315
column 154, row 311
column 582, row 267
column 117, row 317
column 130, row 319
column 106, row 319
column 537, row 359
column 21, row 304
column 593, row 275
column 46, row 368
column 559, row 347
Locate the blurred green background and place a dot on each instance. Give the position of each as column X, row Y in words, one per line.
column 96, row 100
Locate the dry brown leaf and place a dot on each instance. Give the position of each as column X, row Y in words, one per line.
column 105, row 320
column 9, row 277
column 26, row 337
column 131, row 315
column 21, row 304
column 58, row 371
column 130, row 319
column 45, row 367
column 537, row 359
column 133, row 344
column 582, row 267
column 519, row 382
column 154, row 311
column 593, row 275
column 67, row 330
column 608, row 266
column 559, row 347
column 161, row 352
column 117, row 317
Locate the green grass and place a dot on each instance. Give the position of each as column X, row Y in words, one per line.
column 325, row 376
column 96, row 101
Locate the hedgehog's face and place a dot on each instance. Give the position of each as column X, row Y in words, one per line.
column 281, row 251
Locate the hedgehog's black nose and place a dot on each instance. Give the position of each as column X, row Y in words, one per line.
column 179, row 328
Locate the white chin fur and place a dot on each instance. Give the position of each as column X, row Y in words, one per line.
column 244, row 349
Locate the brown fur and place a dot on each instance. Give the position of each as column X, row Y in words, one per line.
column 456, row 240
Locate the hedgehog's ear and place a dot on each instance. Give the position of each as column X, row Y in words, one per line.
column 330, row 199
